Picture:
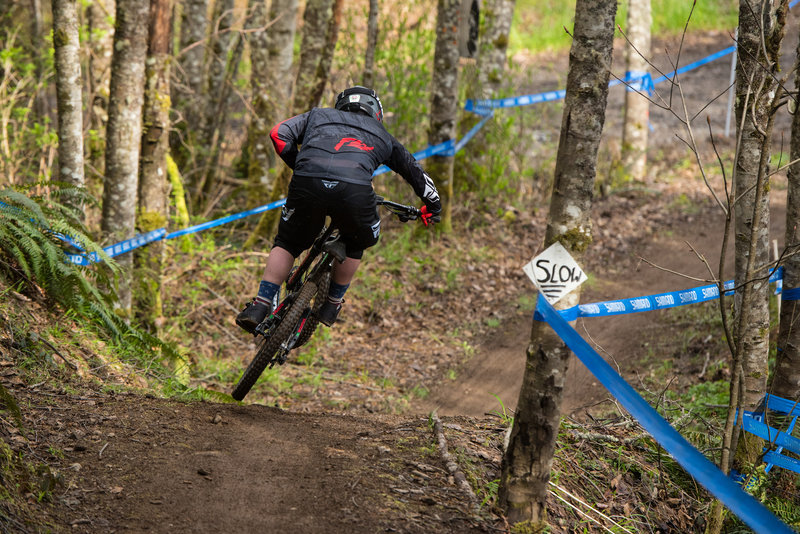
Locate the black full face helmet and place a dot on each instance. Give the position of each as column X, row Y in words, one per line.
column 360, row 98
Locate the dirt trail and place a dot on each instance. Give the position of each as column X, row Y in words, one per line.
column 490, row 381
column 137, row 464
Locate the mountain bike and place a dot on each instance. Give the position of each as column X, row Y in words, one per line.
column 294, row 319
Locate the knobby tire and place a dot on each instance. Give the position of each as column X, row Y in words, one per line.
column 312, row 322
column 269, row 346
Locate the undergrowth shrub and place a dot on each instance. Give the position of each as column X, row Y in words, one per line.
column 33, row 232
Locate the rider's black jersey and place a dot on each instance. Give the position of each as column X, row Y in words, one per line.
column 338, row 145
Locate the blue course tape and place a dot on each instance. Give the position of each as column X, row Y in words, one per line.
column 119, row 248
column 748, row 509
column 653, row 302
column 794, row 293
column 224, row 220
column 157, row 235
column 699, row 63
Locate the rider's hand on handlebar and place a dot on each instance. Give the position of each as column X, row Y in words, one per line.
column 429, row 217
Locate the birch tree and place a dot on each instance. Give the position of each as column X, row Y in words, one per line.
column 444, row 103
column 68, row 92
column 124, row 132
column 528, row 459
column 153, row 188
column 637, row 106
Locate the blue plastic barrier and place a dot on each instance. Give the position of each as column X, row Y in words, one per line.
column 756, row 424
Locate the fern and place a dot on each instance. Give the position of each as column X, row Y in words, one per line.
column 32, row 248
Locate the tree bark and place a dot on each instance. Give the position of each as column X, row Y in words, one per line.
column 320, row 31
column 444, row 103
column 786, row 378
column 101, row 37
column 318, row 21
column 188, row 86
column 761, row 31
column 528, row 459
column 755, row 101
column 124, row 133
column 637, row 106
column 368, row 78
column 187, row 94
column 68, row 95
column 271, row 57
column 153, row 185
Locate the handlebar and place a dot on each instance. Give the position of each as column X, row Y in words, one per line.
column 403, row 212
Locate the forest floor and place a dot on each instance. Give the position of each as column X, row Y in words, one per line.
column 340, row 454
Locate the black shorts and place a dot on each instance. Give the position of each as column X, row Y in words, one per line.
column 351, row 207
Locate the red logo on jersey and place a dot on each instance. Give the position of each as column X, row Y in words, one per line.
column 355, row 143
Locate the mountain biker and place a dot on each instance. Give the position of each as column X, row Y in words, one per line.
column 333, row 153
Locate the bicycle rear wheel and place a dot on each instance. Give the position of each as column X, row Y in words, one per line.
column 312, row 322
column 269, row 346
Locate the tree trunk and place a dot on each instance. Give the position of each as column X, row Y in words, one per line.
column 444, row 103
column 637, row 106
column 759, row 38
column 786, row 378
column 153, row 185
column 124, row 132
column 485, row 81
column 320, row 30
column 324, row 67
column 368, row 78
column 68, row 94
column 101, row 36
column 271, row 57
column 755, row 100
column 317, row 19
column 528, row 459
column 187, row 94
column 225, row 46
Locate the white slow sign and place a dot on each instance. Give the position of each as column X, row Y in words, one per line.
column 555, row 272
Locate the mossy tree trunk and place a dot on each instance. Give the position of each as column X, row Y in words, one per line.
column 485, row 80
column 153, row 184
column 444, row 103
column 226, row 48
column 124, row 133
column 69, row 96
column 757, row 94
column 528, row 459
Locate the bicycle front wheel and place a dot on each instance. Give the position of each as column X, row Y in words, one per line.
column 270, row 345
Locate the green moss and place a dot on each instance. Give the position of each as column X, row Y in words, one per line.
column 151, row 220
column 575, row 240
column 60, row 38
